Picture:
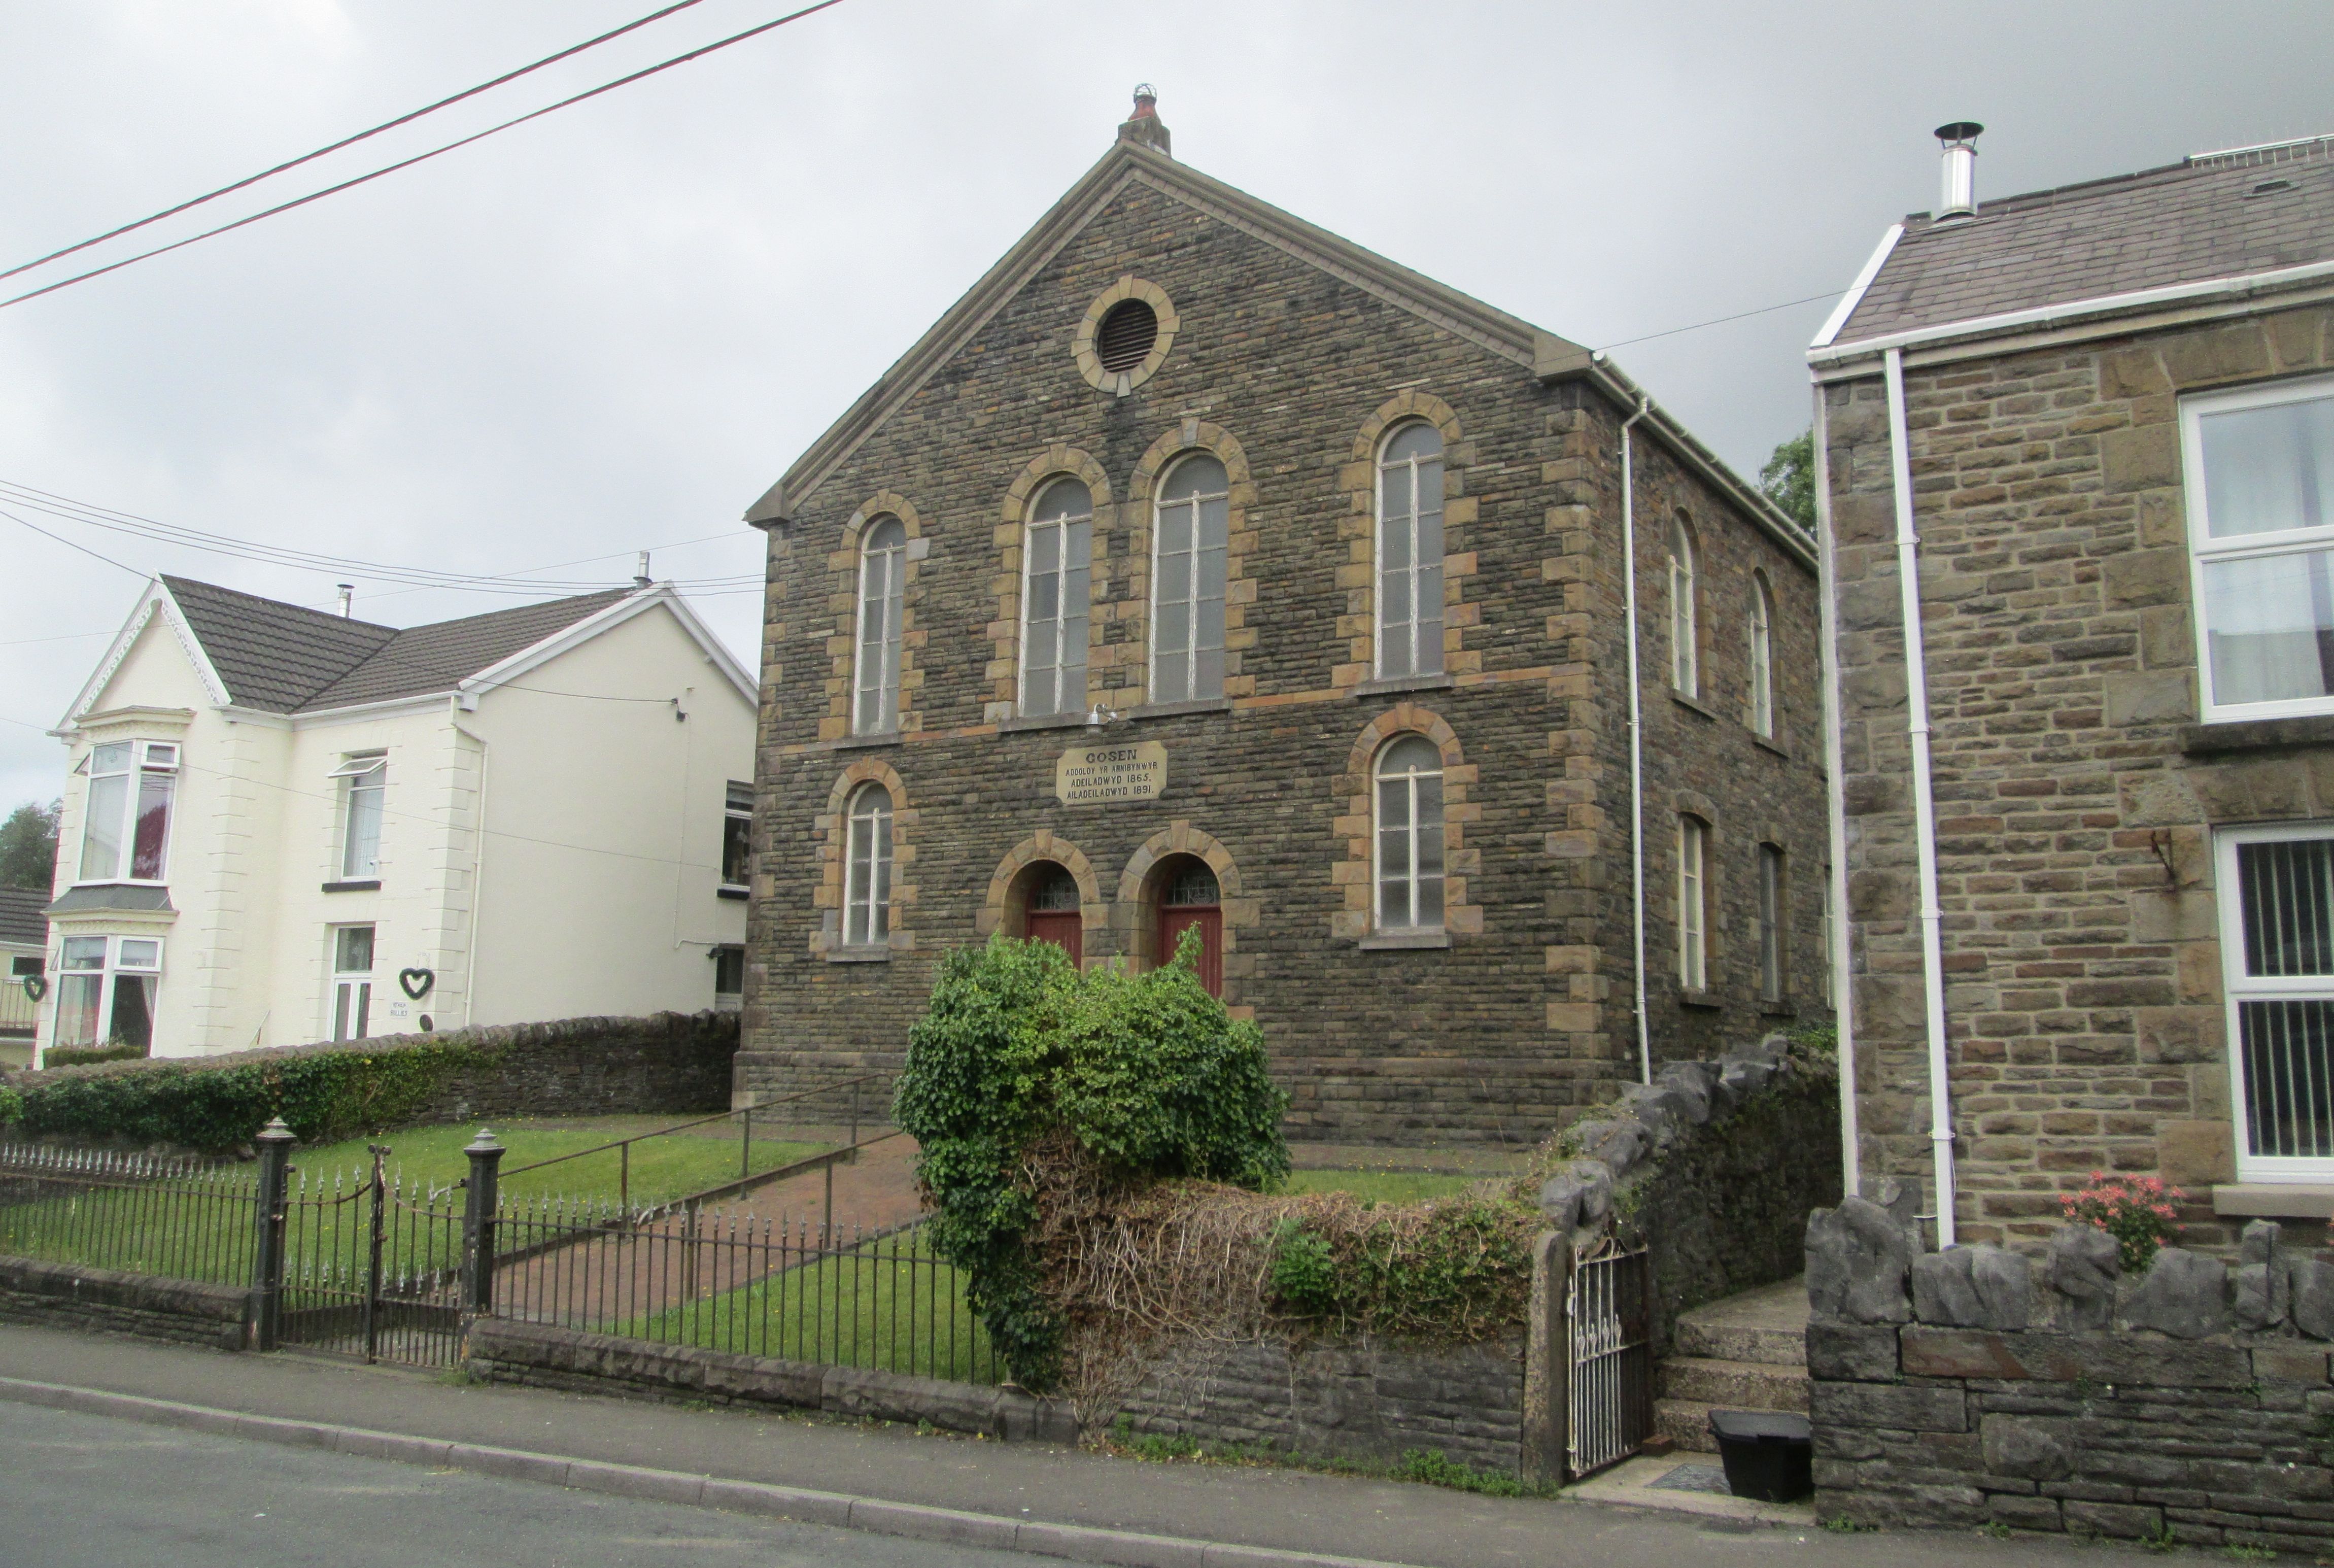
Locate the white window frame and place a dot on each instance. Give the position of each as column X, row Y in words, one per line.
column 890, row 605
column 2238, row 988
column 1692, row 903
column 1075, row 527
column 1411, row 876
column 166, row 757
column 1192, row 649
column 732, row 813
column 1424, row 647
column 725, row 956
column 867, row 918
column 1685, row 618
column 2203, row 550
column 350, row 983
column 1762, row 657
column 1774, row 974
column 352, row 772
column 112, row 967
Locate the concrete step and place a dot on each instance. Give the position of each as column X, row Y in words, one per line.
column 1768, row 1326
column 1734, row 1385
column 1686, row 1423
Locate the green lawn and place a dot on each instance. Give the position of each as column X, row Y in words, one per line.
column 198, row 1228
column 1384, row 1187
column 888, row 1305
column 661, row 1167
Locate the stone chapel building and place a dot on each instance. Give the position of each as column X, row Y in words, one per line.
column 1200, row 569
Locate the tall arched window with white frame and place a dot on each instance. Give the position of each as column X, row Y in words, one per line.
column 883, row 570
column 1410, row 553
column 1191, row 528
column 1692, row 903
column 1056, row 554
column 1409, row 869
column 867, row 867
column 1685, row 662
column 1762, row 657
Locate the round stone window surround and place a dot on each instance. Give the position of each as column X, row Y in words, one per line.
column 1122, row 383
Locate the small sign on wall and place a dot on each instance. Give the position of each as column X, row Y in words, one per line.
column 1104, row 774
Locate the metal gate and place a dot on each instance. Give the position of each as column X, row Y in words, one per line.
column 371, row 1268
column 1608, row 1357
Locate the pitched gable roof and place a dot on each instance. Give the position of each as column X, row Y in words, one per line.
column 2210, row 216
column 286, row 658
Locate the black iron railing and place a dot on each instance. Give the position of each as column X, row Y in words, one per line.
column 176, row 1218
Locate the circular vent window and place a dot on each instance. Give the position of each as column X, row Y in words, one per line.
column 1126, row 335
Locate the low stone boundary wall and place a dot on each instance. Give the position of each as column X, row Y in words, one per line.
column 72, row 1296
column 1362, row 1400
column 541, row 1355
column 759, row 1077
column 2190, row 1404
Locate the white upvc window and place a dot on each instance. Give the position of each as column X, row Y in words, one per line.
column 867, row 868
column 2277, row 955
column 106, row 991
column 364, row 787
column 1056, row 571
column 737, row 836
column 125, row 833
column 1692, row 894
column 1685, row 653
column 1409, row 554
column 1762, row 658
column 728, row 978
column 883, row 577
column 352, row 982
column 2259, row 474
column 1771, row 924
column 1409, row 869
column 1191, row 529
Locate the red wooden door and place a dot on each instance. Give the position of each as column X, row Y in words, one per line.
column 1210, row 919
column 1065, row 931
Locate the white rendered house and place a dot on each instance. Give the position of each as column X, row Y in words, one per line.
column 284, row 825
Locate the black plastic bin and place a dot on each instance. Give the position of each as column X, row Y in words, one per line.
column 1769, row 1455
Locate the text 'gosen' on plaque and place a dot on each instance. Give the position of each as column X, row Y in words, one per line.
column 1103, row 774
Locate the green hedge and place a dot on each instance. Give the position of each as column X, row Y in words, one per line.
column 322, row 1095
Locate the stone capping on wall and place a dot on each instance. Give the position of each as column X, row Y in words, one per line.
column 1984, row 1386
column 73, row 1295
column 547, row 1356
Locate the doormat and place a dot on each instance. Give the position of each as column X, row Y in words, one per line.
column 1694, row 1478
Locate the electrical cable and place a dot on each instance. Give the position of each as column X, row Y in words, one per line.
column 353, row 140
column 1720, row 321
column 421, row 157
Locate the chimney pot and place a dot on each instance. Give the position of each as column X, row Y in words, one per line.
column 1960, row 196
column 1144, row 124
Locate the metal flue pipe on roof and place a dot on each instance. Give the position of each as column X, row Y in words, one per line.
column 1959, row 196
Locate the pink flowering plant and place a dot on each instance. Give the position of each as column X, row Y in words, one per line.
column 2137, row 1211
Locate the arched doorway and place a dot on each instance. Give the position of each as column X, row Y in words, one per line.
column 1050, row 908
column 1188, row 898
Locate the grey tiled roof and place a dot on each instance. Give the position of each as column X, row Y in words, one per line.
column 111, row 895
column 2203, row 218
column 20, row 920
column 288, row 659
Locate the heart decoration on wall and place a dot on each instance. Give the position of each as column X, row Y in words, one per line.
column 416, row 982
column 36, row 986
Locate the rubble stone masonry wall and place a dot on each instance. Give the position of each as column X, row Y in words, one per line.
column 2076, row 792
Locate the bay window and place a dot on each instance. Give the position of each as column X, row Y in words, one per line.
column 106, row 988
column 125, row 833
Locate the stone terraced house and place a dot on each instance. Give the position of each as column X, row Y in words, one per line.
column 1200, row 569
column 2112, row 458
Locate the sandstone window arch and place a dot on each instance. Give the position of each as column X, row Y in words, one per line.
column 1357, row 574
column 867, row 866
column 1406, row 865
column 1148, row 494
column 1358, row 823
column 1147, row 913
column 1031, row 490
column 874, row 679
column 1407, row 572
column 1762, row 632
column 1190, row 526
column 1056, row 574
column 1685, row 608
column 1021, row 880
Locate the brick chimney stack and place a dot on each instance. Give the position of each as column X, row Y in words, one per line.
column 1144, row 124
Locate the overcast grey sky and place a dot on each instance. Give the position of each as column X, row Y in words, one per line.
column 613, row 327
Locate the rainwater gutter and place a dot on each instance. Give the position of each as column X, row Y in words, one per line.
column 1835, row 807
column 1636, row 733
column 1925, row 810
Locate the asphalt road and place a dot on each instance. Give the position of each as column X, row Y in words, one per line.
column 91, row 1492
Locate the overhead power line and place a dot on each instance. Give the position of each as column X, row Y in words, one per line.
column 352, row 141
column 641, row 74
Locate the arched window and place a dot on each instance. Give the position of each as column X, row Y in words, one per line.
column 1771, row 924
column 1410, row 553
column 1187, row 604
column 1051, row 913
column 1762, row 657
column 1693, row 896
column 1685, row 665
column 1057, row 552
column 867, row 868
column 882, row 565
column 1410, row 835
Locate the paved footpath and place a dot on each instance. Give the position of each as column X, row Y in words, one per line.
column 1263, row 1518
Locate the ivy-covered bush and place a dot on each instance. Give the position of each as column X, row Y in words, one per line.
column 322, row 1095
column 1457, row 1270
column 1025, row 1065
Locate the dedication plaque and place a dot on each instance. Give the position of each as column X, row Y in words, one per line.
column 1103, row 774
